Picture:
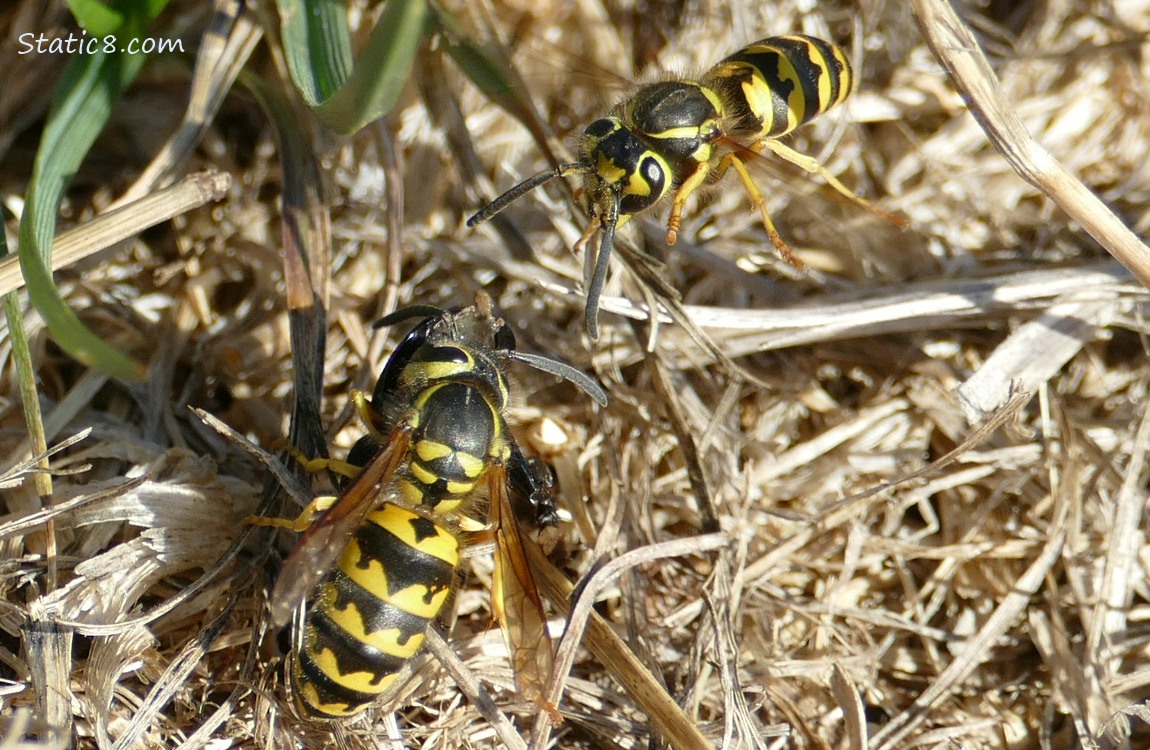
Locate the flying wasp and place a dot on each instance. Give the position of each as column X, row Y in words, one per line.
column 368, row 576
column 671, row 137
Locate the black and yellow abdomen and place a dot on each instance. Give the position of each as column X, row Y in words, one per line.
column 370, row 614
column 773, row 86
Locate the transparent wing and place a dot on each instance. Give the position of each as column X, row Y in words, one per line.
column 515, row 599
column 318, row 548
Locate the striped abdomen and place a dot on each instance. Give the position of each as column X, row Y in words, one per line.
column 370, row 615
column 773, row 86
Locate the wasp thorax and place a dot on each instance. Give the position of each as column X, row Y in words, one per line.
column 680, row 119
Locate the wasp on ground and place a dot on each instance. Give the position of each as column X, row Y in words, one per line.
column 375, row 565
column 671, row 137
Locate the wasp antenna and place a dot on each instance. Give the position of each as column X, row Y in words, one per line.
column 524, row 188
column 407, row 313
column 577, row 378
column 599, row 277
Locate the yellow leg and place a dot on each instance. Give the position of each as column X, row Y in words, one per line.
column 588, row 233
column 316, row 465
column 343, row 468
column 688, row 186
column 367, row 416
column 301, row 522
column 810, row 164
column 732, row 159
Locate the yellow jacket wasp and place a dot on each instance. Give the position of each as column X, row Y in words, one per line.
column 369, row 575
column 671, row 137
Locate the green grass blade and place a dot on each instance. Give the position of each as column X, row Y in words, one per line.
column 26, row 375
column 317, row 46
column 381, row 69
column 90, row 87
column 122, row 18
column 95, row 17
column 490, row 68
column 487, row 66
column 30, row 400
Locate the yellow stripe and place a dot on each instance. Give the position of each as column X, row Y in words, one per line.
column 607, row 170
column 759, row 97
column 422, row 473
column 460, row 488
column 796, row 102
column 364, row 682
column 690, row 131
column 449, row 504
column 398, row 521
column 410, row 493
column 472, row 466
column 352, row 622
column 417, row 600
column 438, row 370
column 429, row 450
column 308, row 696
column 846, row 75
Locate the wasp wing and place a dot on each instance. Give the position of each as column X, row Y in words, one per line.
column 515, row 599
column 320, row 546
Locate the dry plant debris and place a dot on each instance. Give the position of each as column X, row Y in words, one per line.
column 925, row 456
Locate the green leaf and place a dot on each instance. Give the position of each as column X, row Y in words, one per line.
column 122, row 18
column 25, row 373
column 381, row 70
column 317, row 46
column 491, row 70
column 95, row 17
column 84, row 99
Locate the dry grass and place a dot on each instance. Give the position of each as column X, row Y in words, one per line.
column 926, row 455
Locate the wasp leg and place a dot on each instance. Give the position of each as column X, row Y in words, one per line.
column 343, row 468
column 811, row 165
column 688, row 186
column 316, row 465
column 588, row 233
column 732, row 159
column 367, row 416
column 301, row 522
